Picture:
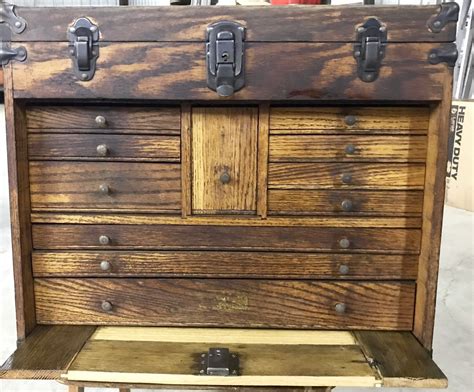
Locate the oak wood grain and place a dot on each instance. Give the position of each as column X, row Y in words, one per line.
column 186, row 161
column 131, row 186
column 262, row 160
column 263, row 238
column 224, row 265
column 224, row 141
column 226, row 303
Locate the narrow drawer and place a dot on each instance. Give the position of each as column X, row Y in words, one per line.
column 351, row 202
column 356, row 148
column 105, row 186
column 104, row 147
column 346, row 175
column 226, row 303
column 196, row 237
column 103, row 118
column 396, row 120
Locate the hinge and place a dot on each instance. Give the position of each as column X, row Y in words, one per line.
column 219, row 362
column 225, row 57
column 83, row 38
column 445, row 54
column 448, row 12
column 10, row 23
column 369, row 49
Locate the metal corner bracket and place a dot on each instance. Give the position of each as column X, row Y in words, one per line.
column 448, row 12
column 10, row 23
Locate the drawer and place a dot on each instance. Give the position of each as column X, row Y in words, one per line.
column 104, row 147
column 206, row 264
column 314, row 120
column 350, row 202
column 226, row 303
column 105, row 186
column 346, row 175
column 135, row 119
column 354, row 148
column 55, row 236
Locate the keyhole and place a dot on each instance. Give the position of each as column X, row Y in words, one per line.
column 225, row 56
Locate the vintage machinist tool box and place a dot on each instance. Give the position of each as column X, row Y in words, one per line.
column 227, row 196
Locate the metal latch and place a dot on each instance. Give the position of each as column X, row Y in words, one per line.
column 219, row 362
column 225, row 57
column 83, row 38
column 10, row 23
column 369, row 49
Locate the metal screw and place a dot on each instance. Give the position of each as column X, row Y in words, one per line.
column 225, row 178
column 350, row 119
column 104, row 240
column 344, row 269
column 203, row 355
column 340, row 308
column 234, row 371
column 201, row 371
column 369, row 77
column 344, row 243
column 346, row 205
column 346, row 178
column 437, row 24
column 101, row 121
column 350, row 149
column 433, row 56
column 72, row 30
column 102, row 150
column 383, row 29
column 93, row 29
column 104, row 189
column 84, row 76
column 105, row 265
column 18, row 24
column 71, row 52
column 360, row 29
column 106, row 306
column 357, row 53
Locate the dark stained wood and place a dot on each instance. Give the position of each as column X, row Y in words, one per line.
column 317, row 24
column 46, row 353
column 119, row 147
column 225, row 238
column 178, row 71
column 226, row 303
column 19, row 210
column 132, row 186
column 224, row 265
column 316, row 202
column 138, row 119
column 402, row 361
column 329, row 176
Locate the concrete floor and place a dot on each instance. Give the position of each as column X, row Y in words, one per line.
column 453, row 346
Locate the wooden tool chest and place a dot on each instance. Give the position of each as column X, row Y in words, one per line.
column 225, row 196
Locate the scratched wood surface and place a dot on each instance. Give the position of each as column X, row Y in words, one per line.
column 178, row 72
column 226, row 302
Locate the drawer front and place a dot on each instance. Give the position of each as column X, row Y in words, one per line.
column 103, row 118
column 346, row 176
column 105, row 186
column 206, row 264
column 225, row 238
column 104, row 147
column 226, row 303
column 354, row 148
column 350, row 202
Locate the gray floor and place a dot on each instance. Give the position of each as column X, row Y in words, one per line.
column 453, row 346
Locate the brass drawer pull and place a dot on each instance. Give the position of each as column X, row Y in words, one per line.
column 350, row 119
column 340, row 308
column 344, row 243
column 101, row 121
column 350, row 149
column 105, row 266
column 102, row 150
column 104, row 189
column 106, row 306
column 347, row 205
column 225, row 178
column 344, row 269
column 104, row 240
column 346, row 178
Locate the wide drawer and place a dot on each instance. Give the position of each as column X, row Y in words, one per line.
column 169, row 237
column 227, row 302
column 105, row 186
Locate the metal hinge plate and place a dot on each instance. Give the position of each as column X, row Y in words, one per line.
column 444, row 54
column 448, row 12
column 219, row 362
column 10, row 23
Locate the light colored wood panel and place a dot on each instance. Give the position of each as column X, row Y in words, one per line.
column 186, row 161
column 311, row 202
column 310, row 148
column 393, row 119
column 224, row 141
column 223, row 336
column 262, row 164
column 330, row 175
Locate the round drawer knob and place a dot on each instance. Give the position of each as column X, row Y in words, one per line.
column 104, row 240
column 347, row 205
column 350, row 149
column 105, row 265
column 225, row 178
column 340, row 308
column 344, row 243
column 350, row 120
column 104, row 189
column 106, row 306
column 346, row 178
column 101, row 121
column 102, row 150
column 344, row 269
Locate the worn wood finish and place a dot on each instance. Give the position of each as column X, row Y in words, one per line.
column 225, row 265
column 317, row 24
column 262, row 157
column 132, row 186
column 373, row 176
column 18, row 182
column 322, row 202
column 225, row 238
column 224, row 141
column 226, row 303
column 186, row 161
column 401, row 360
column 374, row 120
column 310, row 148
column 75, row 388
column 119, row 147
column 139, row 119
column 406, row 74
column 46, row 353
